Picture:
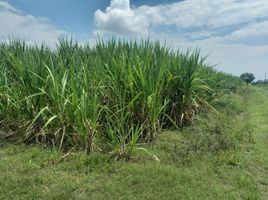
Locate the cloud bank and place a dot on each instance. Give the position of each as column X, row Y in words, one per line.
column 203, row 18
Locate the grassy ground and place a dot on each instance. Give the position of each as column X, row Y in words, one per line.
column 257, row 158
column 217, row 158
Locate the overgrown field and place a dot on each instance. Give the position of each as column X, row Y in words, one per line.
column 108, row 98
column 219, row 157
column 187, row 130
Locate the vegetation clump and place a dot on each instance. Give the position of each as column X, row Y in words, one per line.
column 247, row 77
column 108, row 97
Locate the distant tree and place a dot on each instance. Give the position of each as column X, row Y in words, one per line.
column 247, row 77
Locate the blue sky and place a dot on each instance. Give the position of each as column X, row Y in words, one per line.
column 233, row 32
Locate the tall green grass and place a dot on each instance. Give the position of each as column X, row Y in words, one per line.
column 108, row 97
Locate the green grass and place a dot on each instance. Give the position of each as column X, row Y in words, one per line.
column 224, row 155
column 258, row 156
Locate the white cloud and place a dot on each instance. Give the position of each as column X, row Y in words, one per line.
column 15, row 23
column 7, row 7
column 119, row 18
column 253, row 34
column 259, row 28
column 213, row 14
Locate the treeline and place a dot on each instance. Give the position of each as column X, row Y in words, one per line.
column 261, row 82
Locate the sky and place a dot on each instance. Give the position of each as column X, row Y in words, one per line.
column 233, row 33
